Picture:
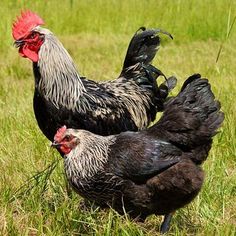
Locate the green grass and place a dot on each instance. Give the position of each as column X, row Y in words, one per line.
column 96, row 33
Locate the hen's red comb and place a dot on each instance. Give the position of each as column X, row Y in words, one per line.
column 25, row 23
column 59, row 133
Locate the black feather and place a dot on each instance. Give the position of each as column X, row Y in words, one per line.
column 143, row 46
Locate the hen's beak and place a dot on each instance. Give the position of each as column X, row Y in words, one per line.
column 18, row 43
column 55, row 144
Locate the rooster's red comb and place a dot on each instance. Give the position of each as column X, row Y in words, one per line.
column 25, row 23
column 59, row 133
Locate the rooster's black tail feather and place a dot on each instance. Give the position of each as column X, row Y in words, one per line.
column 137, row 65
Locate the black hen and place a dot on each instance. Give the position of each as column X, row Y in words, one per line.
column 62, row 96
column 155, row 171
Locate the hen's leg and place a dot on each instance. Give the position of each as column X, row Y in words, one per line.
column 166, row 223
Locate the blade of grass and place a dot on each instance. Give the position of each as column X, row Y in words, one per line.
column 229, row 30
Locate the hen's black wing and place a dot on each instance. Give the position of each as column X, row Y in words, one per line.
column 137, row 157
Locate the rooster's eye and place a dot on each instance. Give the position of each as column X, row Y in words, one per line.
column 32, row 35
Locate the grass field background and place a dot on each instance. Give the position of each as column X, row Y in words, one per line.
column 96, row 34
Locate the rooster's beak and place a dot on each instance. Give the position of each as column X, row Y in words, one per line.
column 18, row 43
column 55, row 144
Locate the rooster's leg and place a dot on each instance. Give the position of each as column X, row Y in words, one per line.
column 166, row 223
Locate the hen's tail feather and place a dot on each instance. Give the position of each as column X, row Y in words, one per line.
column 189, row 80
column 192, row 118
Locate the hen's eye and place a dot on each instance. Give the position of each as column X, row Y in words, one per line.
column 67, row 138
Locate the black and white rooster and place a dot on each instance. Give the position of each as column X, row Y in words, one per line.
column 63, row 97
